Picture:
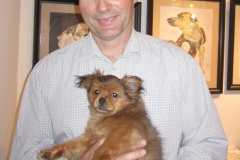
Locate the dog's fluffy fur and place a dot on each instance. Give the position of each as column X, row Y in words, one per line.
column 118, row 114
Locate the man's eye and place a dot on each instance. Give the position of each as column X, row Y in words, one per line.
column 96, row 91
column 114, row 95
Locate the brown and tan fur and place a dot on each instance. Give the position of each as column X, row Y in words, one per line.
column 118, row 114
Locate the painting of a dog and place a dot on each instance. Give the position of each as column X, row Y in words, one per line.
column 72, row 34
column 193, row 36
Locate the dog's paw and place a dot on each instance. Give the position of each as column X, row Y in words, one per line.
column 44, row 155
column 49, row 154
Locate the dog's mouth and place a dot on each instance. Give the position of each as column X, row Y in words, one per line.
column 171, row 22
column 102, row 108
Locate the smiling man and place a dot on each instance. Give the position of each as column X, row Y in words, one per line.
column 110, row 23
column 54, row 110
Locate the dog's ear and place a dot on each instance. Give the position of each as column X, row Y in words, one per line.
column 87, row 80
column 133, row 84
column 84, row 81
column 193, row 18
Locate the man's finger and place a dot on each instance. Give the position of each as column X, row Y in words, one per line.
column 141, row 144
column 133, row 155
column 138, row 153
column 90, row 153
column 96, row 145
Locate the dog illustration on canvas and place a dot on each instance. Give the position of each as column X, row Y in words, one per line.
column 193, row 36
column 73, row 34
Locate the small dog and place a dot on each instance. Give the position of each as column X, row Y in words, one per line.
column 193, row 36
column 118, row 114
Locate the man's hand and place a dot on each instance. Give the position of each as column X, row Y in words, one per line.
column 139, row 153
column 90, row 153
column 129, row 156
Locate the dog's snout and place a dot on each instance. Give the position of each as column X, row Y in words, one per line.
column 102, row 101
column 170, row 21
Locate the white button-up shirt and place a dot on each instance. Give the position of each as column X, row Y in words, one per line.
column 177, row 98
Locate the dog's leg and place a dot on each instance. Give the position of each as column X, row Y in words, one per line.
column 69, row 150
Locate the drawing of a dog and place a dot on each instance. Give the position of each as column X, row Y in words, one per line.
column 73, row 34
column 117, row 113
column 193, row 36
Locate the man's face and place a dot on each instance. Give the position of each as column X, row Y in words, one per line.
column 108, row 19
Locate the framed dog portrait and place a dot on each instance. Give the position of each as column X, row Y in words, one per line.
column 59, row 23
column 197, row 26
column 233, row 75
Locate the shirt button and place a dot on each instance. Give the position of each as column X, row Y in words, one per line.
column 113, row 68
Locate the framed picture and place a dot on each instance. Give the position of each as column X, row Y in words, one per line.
column 233, row 75
column 197, row 26
column 59, row 23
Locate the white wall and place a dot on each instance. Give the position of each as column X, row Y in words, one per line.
column 25, row 43
column 17, row 52
column 9, row 30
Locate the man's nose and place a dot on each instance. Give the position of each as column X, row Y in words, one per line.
column 103, row 5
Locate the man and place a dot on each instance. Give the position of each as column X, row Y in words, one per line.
column 54, row 110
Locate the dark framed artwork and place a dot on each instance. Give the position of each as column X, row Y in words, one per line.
column 197, row 26
column 59, row 23
column 233, row 67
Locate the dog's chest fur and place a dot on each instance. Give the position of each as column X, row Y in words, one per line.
column 128, row 125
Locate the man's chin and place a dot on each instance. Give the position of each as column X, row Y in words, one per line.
column 107, row 35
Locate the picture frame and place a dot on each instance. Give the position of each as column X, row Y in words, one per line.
column 59, row 22
column 233, row 66
column 205, row 44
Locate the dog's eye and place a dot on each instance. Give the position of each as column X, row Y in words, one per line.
column 96, row 91
column 114, row 95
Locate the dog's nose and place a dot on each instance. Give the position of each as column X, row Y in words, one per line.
column 102, row 101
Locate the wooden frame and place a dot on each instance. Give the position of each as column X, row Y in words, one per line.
column 59, row 22
column 233, row 67
column 210, row 18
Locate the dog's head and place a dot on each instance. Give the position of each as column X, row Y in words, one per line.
column 183, row 20
column 108, row 94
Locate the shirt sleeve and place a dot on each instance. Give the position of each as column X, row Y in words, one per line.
column 34, row 130
column 203, row 136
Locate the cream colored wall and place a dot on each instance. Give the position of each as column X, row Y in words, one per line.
column 25, row 42
column 15, row 65
column 9, row 31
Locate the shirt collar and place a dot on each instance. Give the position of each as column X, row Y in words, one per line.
column 132, row 45
column 91, row 48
